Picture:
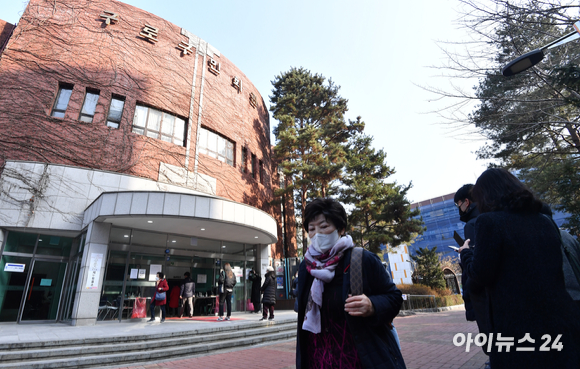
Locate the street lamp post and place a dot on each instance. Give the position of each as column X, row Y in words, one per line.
column 532, row 58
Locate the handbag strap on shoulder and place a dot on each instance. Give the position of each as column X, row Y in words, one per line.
column 356, row 280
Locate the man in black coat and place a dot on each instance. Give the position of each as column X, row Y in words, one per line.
column 473, row 295
column 186, row 293
column 468, row 214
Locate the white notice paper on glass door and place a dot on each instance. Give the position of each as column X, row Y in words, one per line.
column 153, row 270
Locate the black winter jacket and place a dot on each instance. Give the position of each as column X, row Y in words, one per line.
column 375, row 345
column 469, row 233
column 255, row 296
column 228, row 282
column 518, row 259
column 269, row 289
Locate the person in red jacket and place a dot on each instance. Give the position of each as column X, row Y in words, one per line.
column 174, row 301
column 159, row 298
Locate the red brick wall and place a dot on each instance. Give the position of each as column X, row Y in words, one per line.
column 66, row 41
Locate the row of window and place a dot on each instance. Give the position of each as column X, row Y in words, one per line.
column 89, row 105
column 157, row 124
column 257, row 171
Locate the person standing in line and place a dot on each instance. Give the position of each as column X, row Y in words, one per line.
column 228, row 280
column 294, row 290
column 173, row 301
column 159, row 298
column 269, row 291
column 474, row 296
column 573, row 247
column 514, row 242
column 255, row 296
column 186, row 293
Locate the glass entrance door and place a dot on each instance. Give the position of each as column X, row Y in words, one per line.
column 44, row 289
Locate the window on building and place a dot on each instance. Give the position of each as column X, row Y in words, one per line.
column 244, row 159
column 253, row 166
column 261, row 172
column 115, row 111
column 216, row 146
column 89, row 106
column 62, row 99
column 160, row 125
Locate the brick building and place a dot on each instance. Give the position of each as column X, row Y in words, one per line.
column 128, row 145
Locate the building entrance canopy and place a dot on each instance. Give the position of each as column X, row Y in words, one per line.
column 183, row 214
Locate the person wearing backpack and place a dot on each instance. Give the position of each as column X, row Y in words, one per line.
column 344, row 317
column 227, row 279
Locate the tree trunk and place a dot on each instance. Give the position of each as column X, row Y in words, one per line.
column 573, row 135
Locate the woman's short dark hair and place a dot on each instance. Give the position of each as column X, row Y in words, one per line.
column 497, row 189
column 332, row 210
column 160, row 275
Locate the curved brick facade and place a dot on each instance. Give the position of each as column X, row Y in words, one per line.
column 69, row 43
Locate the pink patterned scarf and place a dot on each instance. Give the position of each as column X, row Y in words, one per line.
column 321, row 267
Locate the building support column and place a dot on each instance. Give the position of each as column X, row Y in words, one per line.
column 263, row 259
column 2, row 233
column 86, row 305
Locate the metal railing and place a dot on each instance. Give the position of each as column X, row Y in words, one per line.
column 419, row 302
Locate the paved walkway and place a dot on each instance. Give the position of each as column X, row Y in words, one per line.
column 12, row 332
column 426, row 340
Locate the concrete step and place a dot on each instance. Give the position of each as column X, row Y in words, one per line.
column 124, row 350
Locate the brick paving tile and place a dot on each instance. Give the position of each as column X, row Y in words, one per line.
column 426, row 341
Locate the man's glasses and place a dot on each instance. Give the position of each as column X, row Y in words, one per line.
column 458, row 204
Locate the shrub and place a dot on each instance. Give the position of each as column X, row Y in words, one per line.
column 449, row 300
column 419, row 289
column 444, row 292
column 416, row 289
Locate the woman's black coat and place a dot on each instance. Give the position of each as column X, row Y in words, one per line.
column 255, row 295
column 518, row 260
column 375, row 344
column 269, row 289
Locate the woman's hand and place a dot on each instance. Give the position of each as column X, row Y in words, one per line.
column 359, row 305
column 465, row 246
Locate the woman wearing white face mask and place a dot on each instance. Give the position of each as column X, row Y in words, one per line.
column 335, row 329
column 159, row 297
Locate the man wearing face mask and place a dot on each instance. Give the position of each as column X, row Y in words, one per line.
column 474, row 296
column 468, row 214
column 336, row 329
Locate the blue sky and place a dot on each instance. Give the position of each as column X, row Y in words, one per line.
column 378, row 51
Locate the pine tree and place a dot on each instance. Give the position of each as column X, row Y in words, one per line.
column 380, row 213
column 310, row 134
column 428, row 270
